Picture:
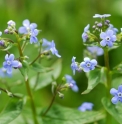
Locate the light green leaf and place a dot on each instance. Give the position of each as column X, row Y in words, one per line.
column 39, row 68
column 93, row 79
column 12, row 110
column 46, row 78
column 114, row 110
column 63, row 115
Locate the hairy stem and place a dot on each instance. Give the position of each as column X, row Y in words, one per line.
column 32, row 102
column 108, row 75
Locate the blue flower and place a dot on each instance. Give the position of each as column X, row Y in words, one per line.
column 88, row 64
column 10, row 63
column 3, row 73
column 85, row 35
column 72, row 83
column 74, row 65
column 111, row 27
column 101, row 16
column 108, row 38
column 86, row 106
column 29, row 29
column 117, row 94
column 50, row 46
column 95, row 50
column 54, row 50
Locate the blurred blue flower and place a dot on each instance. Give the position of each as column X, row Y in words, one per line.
column 3, row 73
column 9, row 63
column 85, row 35
column 88, row 64
column 86, row 106
column 108, row 38
column 50, row 46
column 111, row 27
column 95, row 50
column 117, row 94
column 29, row 29
column 74, row 65
column 72, row 83
column 101, row 16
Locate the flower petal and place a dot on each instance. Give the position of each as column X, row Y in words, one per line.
column 86, row 69
column 113, row 91
column 86, row 59
column 120, row 88
column 103, row 43
column 11, row 57
column 109, row 33
column 9, row 70
column 6, row 57
column 15, row 63
column 26, row 23
column 114, row 100
column 94, row 62
column 102, row 35
column 23, row 30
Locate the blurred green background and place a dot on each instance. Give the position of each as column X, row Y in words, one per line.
column 63, row 21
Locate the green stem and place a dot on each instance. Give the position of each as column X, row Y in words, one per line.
column 51, row 103
column 108, row 75
column 9, row 93
column 32, row 102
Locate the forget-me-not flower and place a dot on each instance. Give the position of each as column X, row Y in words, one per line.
column 85, row 35
column 101, row 16
column 50, row 46
column 30, row 29
column 86, row 106
column 88, row 64
column 74, row 65
column 117, row 94
column 72, row 83
column 10, row 63
column 95, row 50
column 108, row 38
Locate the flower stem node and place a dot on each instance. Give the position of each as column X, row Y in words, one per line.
column 9, row 93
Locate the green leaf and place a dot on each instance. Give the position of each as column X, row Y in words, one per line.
column 93, row 79
column 46, row 78
column 114, row 110
column 62, row 115
column 116, row 80
column 12, row 110
column 39, row 68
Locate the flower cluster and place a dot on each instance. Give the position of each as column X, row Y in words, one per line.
column 72, row 83
column 29, row 29
column 86, row 66
column 85, row 106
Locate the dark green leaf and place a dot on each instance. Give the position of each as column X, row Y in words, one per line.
column 93, row 79
column 114, row 110
column 46, row 78
column 62, row 115
column 12, row 110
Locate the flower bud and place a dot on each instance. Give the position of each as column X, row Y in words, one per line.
column 6, row 31
column 11, row 23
